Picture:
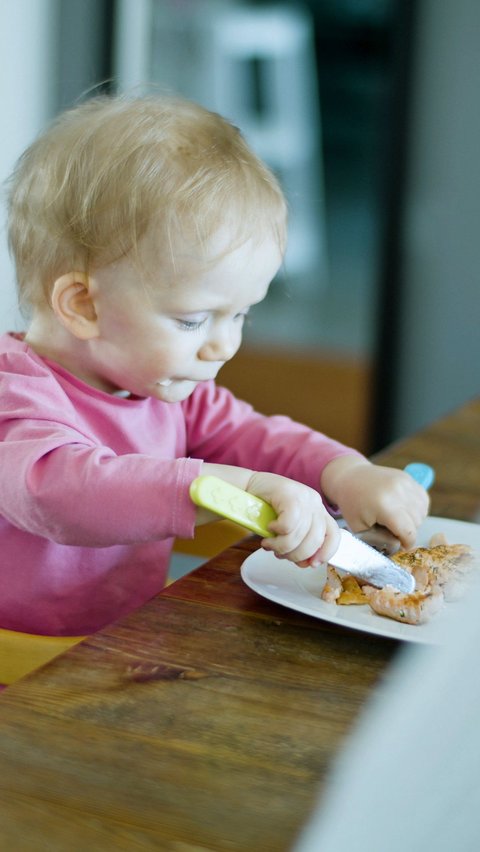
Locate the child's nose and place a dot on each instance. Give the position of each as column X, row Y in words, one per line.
column 221, row 345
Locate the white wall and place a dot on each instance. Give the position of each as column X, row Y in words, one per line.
column 440, row 323
column 27, row 68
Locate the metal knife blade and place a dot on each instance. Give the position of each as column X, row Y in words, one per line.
column 353, row 555
column 364, row 562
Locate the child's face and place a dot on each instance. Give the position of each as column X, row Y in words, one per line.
column 161, row 340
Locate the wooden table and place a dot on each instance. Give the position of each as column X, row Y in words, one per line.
column 208, row 719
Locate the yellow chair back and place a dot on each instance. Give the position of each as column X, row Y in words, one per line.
column 21, row 653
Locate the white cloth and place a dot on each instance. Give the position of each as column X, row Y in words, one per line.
column 408, row 780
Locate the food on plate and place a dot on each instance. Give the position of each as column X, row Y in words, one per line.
column 333, row 586
column 443, row 567
column 440, row 571
column 416, row 608
column 342, row 588
column 352, row 592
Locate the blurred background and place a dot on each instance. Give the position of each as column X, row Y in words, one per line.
column 368, row 112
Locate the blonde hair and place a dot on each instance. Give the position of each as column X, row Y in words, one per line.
column 88, row 188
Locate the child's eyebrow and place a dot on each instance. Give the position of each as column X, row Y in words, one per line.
column 198, row 313
column 226, row 307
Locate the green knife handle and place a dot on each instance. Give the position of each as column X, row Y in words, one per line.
column 233, row 503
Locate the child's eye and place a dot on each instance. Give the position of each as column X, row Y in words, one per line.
column 191, row 325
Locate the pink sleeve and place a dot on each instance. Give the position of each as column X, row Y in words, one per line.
column 225, row 430
column 88, row 496
column 61, row 484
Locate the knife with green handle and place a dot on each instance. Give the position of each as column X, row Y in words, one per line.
column 353, row 555
column 233, row 503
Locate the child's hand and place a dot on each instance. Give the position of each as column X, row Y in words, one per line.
column 304, row 531
column 368, row 494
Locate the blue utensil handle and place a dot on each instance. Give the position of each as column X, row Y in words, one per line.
column 422, row 473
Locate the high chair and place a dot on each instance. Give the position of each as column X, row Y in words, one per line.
column 22, row 653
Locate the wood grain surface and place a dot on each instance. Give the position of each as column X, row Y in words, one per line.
column 209, row 718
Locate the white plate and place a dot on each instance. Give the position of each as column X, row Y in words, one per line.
column 300, row 588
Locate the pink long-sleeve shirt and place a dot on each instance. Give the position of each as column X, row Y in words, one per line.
column 95, row 487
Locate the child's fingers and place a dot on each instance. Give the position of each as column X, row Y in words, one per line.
column 290, row 545
column 330, row 543
column 403, row 519
column 318, row 545
column 289, row 533
column 403, row 526
column 309, row 543
column 303, row 527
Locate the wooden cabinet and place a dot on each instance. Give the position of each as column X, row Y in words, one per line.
column 329, row 392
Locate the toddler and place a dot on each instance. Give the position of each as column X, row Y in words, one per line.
column 143, row 230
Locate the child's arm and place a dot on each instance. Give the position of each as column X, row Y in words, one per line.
column 305, row 532
column 368, row 494
column 226, row 432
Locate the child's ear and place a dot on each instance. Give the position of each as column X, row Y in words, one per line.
column 73, row 305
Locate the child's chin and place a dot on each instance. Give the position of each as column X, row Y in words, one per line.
column 176, row 392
